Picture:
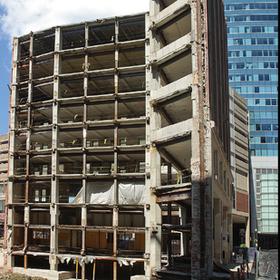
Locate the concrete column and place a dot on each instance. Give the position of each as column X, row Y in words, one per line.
column 153, row 164
column 84, row 224
column 115, row 171
column 15, row 53
column 54, row 212
column 201, row 259
column 26, row 225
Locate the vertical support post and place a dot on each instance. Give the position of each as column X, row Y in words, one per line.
column 54, row 212
column 116, row 202
column 153, row 167
column 201, row 249
column 85, row 130
column 84, row 225
column 29, row 125
column 11, row 162
column 169, row 218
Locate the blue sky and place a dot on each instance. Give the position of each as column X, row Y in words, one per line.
column 5, row 70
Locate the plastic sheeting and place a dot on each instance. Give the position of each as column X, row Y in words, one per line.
column 79, row 197
column 128, row 194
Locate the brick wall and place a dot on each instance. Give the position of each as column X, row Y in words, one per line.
column 242, row 202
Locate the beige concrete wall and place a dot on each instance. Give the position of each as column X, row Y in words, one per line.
column 222, row 204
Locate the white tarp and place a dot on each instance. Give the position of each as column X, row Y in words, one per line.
column 128, row 194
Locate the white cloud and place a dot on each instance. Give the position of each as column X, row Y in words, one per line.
column 23, row 16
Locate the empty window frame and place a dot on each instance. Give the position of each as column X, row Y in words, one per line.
column 178, row 154
column 131, row 108
column 175, row 28
column 99, row 242
column 23, row 71
column 20, row 141
column 176, row 68
column 103, row 110
column 41, row 116
column 100, row 84
column 43, row 67
column 131, row 135
column 42, row 91
column 24, row 48
column 97, row 217
column 39, row 192
column 131, row 243
column 168, row 174
column 42, row 246
column 20, row 165
column 100, row 137
column 70, row 138
column 39, row 216
column 70, row 216
column 22, row 94
column 70, row 163
column 71, row 113
column 175, row 110
column 72, row 63
column 71, row 87
column 131, row 56
column 43, row 42
column 18, row 215
column 73, row 37
column 101, row 33
column 69, row 241
column 40, row 141
column 130, row 217
column 129, row 82
column 101, row 163
column 70, row 191
column 132, row 28
column 18, row 238
column 131, row 162
column 19, row 192
column 40, row 165
column 104, row 59
column 21, row 118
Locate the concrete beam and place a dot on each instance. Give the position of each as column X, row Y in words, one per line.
column 169, row 13
column 171, row 90
column 172, row 132
column 172, row 50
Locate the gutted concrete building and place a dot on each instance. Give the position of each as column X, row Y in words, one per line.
column 119, row 147
column 3, row 179
column 239, row 138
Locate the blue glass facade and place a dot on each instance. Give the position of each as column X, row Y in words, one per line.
column 253, row 67
column 253, row 72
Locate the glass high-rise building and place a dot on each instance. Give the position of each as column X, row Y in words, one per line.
column 253, row 72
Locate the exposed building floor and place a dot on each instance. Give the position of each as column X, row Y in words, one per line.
column 112, row 145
